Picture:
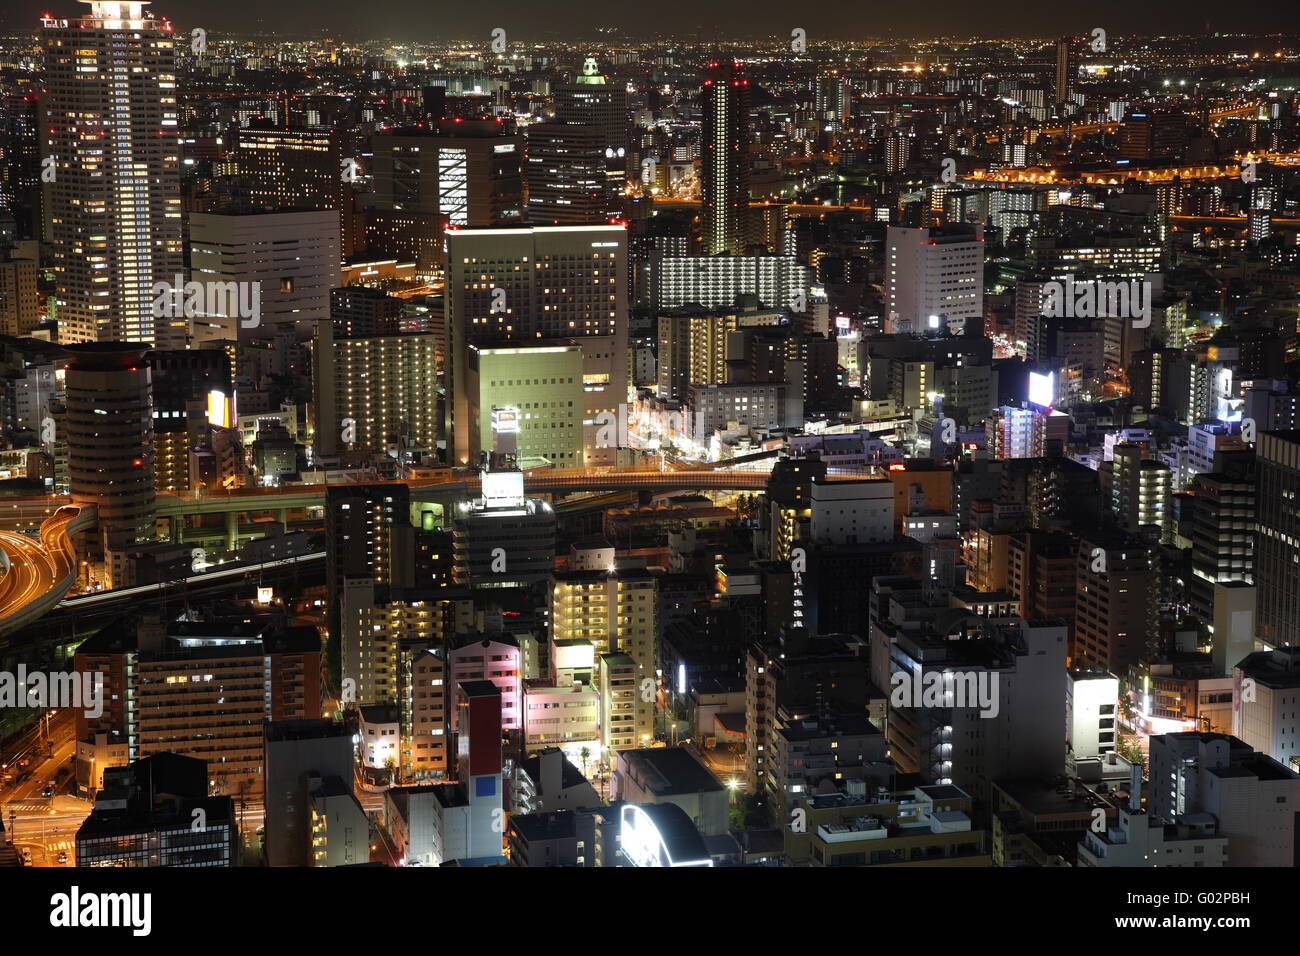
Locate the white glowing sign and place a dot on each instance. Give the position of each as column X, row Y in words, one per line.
column 643, row 844
column 503, row 487
column 1042, row 389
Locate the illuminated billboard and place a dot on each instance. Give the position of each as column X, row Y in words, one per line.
column 1042, row 389
column 218, row 409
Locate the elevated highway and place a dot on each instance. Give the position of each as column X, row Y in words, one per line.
column 38, row 572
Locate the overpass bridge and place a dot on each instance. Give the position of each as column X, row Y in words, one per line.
column 40, row 572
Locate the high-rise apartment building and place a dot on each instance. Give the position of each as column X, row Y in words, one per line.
column 114, row 207
column 724, row 160
column 1116, row 603
column 1065, row 70
column 373, row 391
column 716, row 282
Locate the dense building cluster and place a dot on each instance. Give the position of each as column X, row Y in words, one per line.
column 793, row 452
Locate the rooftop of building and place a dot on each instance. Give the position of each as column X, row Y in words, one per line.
column 1276, row 668
column 670, row 770
column 281, row 731
column 827, row 728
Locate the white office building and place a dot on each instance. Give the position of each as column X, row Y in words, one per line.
column 934, row 278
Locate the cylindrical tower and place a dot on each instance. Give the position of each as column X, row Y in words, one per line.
column 110, row 442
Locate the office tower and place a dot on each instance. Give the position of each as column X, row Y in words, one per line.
column 1065, row 71
column 295, row 752
column 297, row 169
column 760, row 406
column 565, row 175
column 1251, row 796
column 1148, row 137
column 1116, row 604
column 537, row 286
column 146, row 816
column 543, row 389
column 1222, row 533
column 114, row 208
column 1277, row 529
column 503, row 539
column 592, row 101
column 20, row 163
column 934, row 279
column 192, row 394
column 373, row 392
column 771, row 282
column 285, row 263
column 109, row 424
column 724, row 160
column 463, row 174
column 19, row 304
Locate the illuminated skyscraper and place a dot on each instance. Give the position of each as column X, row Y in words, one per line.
column 1065, row 69
column 114, row 207
column 725, row 159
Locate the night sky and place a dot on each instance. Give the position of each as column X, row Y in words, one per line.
column 558, row 19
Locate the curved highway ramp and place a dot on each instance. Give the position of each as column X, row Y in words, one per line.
column 39, row 573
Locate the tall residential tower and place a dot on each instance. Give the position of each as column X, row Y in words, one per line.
column 114, row 208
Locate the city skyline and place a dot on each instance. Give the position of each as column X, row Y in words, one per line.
column 677, row 439
column 417, row 21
